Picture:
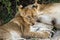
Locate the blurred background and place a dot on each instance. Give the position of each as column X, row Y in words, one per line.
column 8, row 8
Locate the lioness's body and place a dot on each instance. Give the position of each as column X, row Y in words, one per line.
column 52, row 9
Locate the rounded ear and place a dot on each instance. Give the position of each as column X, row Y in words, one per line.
column 20, row 8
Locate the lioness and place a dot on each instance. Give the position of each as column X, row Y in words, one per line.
column 52, row 10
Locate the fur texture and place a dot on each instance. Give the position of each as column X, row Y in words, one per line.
column 52, row 10
column 20, row 26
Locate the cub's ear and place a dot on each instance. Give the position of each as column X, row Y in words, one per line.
column 20, row 8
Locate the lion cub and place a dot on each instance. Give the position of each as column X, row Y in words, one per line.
column 20, row 26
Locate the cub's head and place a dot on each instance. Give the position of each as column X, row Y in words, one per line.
column 28, row 15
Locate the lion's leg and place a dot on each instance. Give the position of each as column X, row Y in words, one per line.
column 30, row 34
column 36, row 35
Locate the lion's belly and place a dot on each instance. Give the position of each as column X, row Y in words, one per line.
column 57, row 19
column 54, row 12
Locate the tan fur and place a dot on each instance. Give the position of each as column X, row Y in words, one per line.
column 21, row 26
column 52, row 9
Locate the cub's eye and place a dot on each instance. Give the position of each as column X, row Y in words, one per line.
column 28, row 16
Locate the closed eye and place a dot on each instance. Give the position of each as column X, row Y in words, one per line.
column 28, row 16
